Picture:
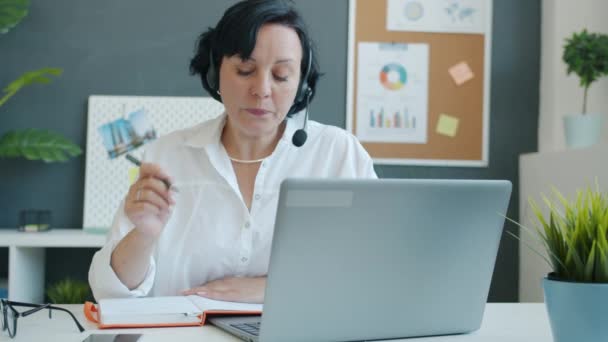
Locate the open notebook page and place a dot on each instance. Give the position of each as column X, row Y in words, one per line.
column 206, row 304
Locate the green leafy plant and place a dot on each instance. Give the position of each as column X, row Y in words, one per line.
column 32, row 144
column 11, row 13
column 573, row 235
column 586, row 54
column 69, row 291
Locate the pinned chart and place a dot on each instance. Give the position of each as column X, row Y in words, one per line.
column 393, row 92
column 447, row 16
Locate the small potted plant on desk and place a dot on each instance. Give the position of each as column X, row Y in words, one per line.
column 585, row 54
column 69, row 291
column 576, row 291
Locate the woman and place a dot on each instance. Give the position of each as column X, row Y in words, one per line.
column 212, row 238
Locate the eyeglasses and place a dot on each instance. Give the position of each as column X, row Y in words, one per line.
column 10, row 315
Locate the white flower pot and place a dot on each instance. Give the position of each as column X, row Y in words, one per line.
column 582, row 130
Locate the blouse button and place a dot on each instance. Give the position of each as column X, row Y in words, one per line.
column 257, row 197
column 243, row 259
column 247, row 224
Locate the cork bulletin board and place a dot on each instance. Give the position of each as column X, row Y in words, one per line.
column 418, row 80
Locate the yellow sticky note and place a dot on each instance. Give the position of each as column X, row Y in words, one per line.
column 447, row 125
column 461, row 73
column 133, row 174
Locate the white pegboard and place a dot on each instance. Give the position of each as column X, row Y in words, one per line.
column 107, row 180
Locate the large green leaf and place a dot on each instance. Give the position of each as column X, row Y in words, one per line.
column 36, row 144
column 40, row 76
column 11, row 13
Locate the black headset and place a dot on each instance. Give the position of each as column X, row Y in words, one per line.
column 304, row 93
column 212, row 75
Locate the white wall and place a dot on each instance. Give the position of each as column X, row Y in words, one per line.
column 560, row 94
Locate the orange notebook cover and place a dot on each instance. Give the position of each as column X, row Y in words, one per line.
column 148, row 312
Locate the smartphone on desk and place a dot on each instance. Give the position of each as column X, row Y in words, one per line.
column 112, row 338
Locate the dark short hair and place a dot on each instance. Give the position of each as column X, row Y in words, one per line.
column 236, row 33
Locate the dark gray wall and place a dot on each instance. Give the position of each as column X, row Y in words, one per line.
column 142, row 47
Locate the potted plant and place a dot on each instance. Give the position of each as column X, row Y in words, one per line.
column 33, row 144
column 574, row 236
column 585, row 54
column 69, row 291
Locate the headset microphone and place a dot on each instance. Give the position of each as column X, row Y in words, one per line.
column 300, row 136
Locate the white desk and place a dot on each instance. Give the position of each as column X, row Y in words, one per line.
column 502, row 322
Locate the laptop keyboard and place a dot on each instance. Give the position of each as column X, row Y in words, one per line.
column 251, row 328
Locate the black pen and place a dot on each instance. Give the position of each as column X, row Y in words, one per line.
column 138, row 163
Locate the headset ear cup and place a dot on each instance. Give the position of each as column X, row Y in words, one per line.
column 211, row 74
column 304, row 88
column 211, row 77
column 302, row 91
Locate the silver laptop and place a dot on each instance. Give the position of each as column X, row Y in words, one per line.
column 359, row 260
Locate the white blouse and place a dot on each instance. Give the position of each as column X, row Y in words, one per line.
column 211, row 234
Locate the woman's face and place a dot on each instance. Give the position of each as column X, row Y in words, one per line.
column 258, row 92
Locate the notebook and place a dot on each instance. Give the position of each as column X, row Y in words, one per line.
column 162, row 311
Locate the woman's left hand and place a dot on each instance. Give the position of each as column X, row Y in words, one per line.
column 244, row 290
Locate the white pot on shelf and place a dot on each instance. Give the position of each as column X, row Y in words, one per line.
column 582, row 130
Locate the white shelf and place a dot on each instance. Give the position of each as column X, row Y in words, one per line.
column 27, row 254
column 68, row 238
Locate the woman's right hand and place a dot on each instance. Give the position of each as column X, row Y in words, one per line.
column 149, row 202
